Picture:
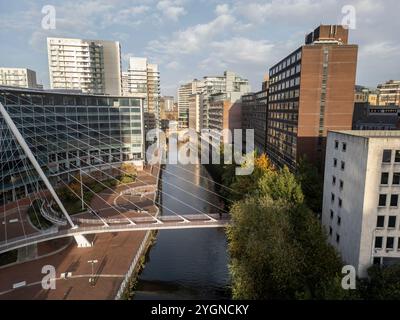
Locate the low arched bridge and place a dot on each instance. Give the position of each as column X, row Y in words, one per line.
column 161, row 223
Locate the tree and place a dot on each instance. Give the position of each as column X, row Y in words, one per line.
column 277, row 246
column 281, row 185
column 383, row 283
column 311, row 184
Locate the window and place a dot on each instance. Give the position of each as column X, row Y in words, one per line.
column 396, row 178
column 389, row 243
column 332, row 214
column 340, row 203
column 343, row 166
column 337, row 238
column 339, row 221
column 378, row 242
column 344, row 147
column 380, row 223
column 336, row 144
column 385, row 178
column 382, row 200
column 394, row 200
column 392, row 222
column 335, row 163
column 330, row 231
column 332, row 198
column 387, row 156
column 377, row 261
column 341, row 184
column 397, row 156
column 334, row 180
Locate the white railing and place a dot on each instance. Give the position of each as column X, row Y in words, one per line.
column 53, row 216
column 132, row 267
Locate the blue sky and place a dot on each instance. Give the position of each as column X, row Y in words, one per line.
column 193, row 38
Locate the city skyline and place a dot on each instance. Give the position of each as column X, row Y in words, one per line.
column 190, row 39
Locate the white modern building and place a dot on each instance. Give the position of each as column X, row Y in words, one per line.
column 18, row 77
column 92, row 66
column 185, row 92
column 143, row 80
column 361, row 197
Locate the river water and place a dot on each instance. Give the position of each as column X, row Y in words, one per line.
column 192, row 263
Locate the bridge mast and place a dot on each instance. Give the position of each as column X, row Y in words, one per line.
column 34, row 162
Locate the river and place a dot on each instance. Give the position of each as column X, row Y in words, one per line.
column 186, row 264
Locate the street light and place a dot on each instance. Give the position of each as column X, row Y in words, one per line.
column 93, row 262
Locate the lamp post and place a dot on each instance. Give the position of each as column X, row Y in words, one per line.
column 93, row 262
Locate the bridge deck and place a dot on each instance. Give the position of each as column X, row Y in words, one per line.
column 54, row 233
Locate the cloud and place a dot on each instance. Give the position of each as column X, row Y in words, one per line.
column 171, row 9
column 193, row 38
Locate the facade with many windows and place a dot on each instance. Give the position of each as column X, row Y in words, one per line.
column 311, row 91
column 361, row 197
column 66, row 133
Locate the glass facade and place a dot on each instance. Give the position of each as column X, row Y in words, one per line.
column 66, row 132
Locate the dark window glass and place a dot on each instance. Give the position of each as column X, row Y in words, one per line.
column 390, row 243
column 382, row 200
column 343, row 165
column 397, row 156
column 378, row 242
column 337, row 238
column 336, row 144
column 340, row 203
column 394, row 200
column 396, row 178
column 385, row 178
column 377, row 261
column 380, row 222
column 330, row 231
column 335, row 163
column 339, row 221
column 344, row 147
column 387, row 156
column 392, row 222
column 332, row 214
column 341, row 184
column 334, row 180
column 332, row 197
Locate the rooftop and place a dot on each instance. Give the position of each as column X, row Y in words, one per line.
column 371, row 133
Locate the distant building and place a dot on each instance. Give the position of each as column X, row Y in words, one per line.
column 373, row 117
column 93, row 66
column 19, row 77
column 361, row 197
column 311, row 91
column 195, row 114
column 224, row 112
column 389, row 93
column 254, row 116
column 144, row 81
column 184, row 93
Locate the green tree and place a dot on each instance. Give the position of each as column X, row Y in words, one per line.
column 281, row 185
column 383, row 283
column 311, row 182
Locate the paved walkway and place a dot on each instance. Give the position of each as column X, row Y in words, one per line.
column 114, row 252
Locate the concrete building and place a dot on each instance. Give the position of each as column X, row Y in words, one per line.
column 373, row 117
column 19, row 77
column 224, row 112
column 93, row 66
column 185, row 91
column 361, row 197
column 389, row 93
column 254, row 116
column 311, row 91
column 68, row 133
column 228, row 83
column 195, row 114
column 144, row 81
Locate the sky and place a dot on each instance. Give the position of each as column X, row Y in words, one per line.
column 193, row 38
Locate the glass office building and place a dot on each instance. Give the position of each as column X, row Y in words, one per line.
column 66, row 132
